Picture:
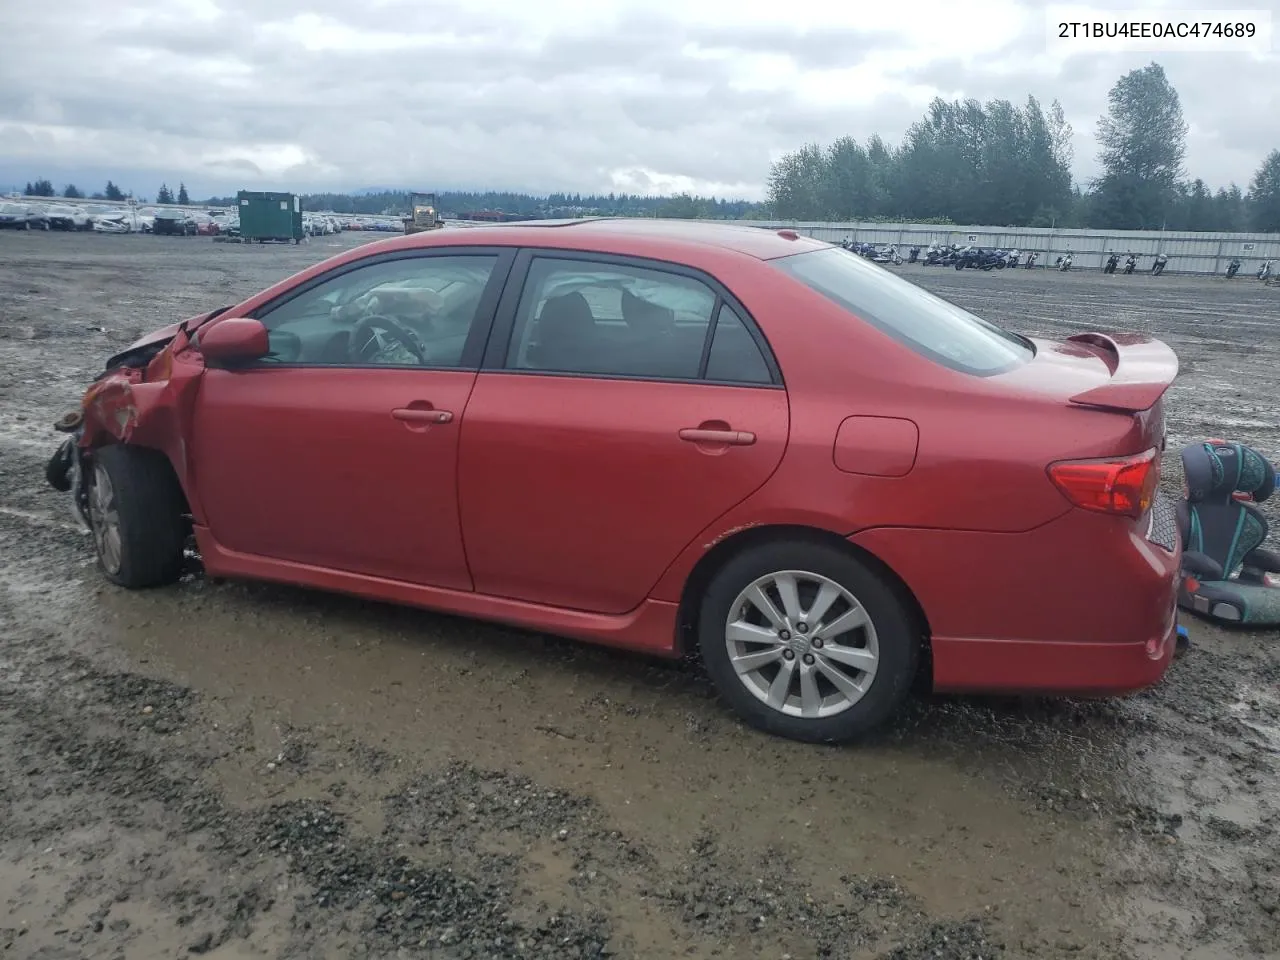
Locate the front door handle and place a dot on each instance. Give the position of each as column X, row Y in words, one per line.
column 734, row 438
column 421, row 415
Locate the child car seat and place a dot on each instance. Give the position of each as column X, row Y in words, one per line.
column 1225, row 568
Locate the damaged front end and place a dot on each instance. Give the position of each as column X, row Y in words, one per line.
column 65, row 469
column 139, row 383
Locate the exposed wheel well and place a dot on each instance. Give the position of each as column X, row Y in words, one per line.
column 715, row 559
column 159, row 456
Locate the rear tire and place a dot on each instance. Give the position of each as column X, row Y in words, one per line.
column 840, row 633
column 136, row 514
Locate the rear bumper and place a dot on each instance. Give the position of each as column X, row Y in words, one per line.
column 1058, row 669
column 1084, row 605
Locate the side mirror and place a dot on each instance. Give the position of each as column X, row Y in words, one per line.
column 233, row 340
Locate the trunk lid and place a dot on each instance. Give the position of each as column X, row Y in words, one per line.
column 1121, row 372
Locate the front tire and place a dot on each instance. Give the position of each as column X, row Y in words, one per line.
column 808, row 642
column 136, row 514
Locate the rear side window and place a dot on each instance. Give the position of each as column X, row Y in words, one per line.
column 929, row 325
column 735, row 357
column 607, row 319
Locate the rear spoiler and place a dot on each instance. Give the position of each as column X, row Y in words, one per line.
column 1142, row 369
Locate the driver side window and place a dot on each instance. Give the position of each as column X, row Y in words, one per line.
column 415, row 311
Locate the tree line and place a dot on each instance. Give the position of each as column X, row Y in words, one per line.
column 1001, row 164
column 44, row 188
column 555, row 205
column 456, row 202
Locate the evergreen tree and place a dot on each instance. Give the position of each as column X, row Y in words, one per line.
column 1144, row 139
column 1264, row 195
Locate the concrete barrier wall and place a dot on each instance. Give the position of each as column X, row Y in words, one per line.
column 1188, row 252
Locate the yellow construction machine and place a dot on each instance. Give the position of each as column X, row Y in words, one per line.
column 423, row 215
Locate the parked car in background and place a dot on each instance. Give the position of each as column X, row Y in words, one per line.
column 23, row 216
column 672, row 437
column 174, row 223
column 62, row 217
column 206, row 226
column 225, row 224
column 105, row 225
column 109, row 219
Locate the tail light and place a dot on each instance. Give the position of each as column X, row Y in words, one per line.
column 1124, row 486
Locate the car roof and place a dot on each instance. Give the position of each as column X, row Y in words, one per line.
column 622, row 235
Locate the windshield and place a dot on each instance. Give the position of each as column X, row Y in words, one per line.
column 929, row 325
column 12, row 208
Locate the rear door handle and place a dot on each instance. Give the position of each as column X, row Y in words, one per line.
column 734, row 438
column 420, row 415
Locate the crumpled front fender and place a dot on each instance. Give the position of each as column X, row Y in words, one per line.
column 149, row 407
column 110, row 409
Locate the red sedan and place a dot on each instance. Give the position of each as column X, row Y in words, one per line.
column 669, row 437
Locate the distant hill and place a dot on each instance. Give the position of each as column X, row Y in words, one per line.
column 144, row 185
column 456, row 203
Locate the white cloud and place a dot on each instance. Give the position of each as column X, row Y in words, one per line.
column 559, row 94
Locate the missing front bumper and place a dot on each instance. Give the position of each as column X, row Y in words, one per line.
column 65, row 473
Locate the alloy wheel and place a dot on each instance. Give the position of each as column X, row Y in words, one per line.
column 802, row 644
column 104, row 518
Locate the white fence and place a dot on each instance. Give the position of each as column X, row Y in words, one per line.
column 1188, row 252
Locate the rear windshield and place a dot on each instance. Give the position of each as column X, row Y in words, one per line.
column 929, row 325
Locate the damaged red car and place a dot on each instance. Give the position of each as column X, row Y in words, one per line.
column 675, row 438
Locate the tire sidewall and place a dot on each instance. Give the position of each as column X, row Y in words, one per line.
column 149, row 512
column 897, row 639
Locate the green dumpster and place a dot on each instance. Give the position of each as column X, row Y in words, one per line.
column 266, row 215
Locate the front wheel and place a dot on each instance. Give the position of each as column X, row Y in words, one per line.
column 136, row 515
column 808, row 642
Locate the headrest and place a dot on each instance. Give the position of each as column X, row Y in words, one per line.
column 645, row 315
column 1215, row 469
column 564, row 315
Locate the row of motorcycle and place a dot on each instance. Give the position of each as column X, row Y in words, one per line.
column 984, row 258
column 942, row 255
column 1265, row 272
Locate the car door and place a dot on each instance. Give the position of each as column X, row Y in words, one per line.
column 339, row 449
column 623, row 406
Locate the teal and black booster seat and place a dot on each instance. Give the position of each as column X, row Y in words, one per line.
column 1227, row 574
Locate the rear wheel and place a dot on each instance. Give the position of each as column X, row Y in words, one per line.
column 136, row 515
column 808, row 642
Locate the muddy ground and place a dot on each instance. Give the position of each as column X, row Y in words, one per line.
column 242, row 771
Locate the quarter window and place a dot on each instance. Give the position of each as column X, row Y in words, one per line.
column 578, row 316
column 735, row 357
column 416, row 311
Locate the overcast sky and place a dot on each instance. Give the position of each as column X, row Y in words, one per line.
column 544, row 95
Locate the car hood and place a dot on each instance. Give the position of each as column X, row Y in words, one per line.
column 162, row 335
column 150, row 344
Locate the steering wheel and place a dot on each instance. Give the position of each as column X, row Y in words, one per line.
column 366, row 331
